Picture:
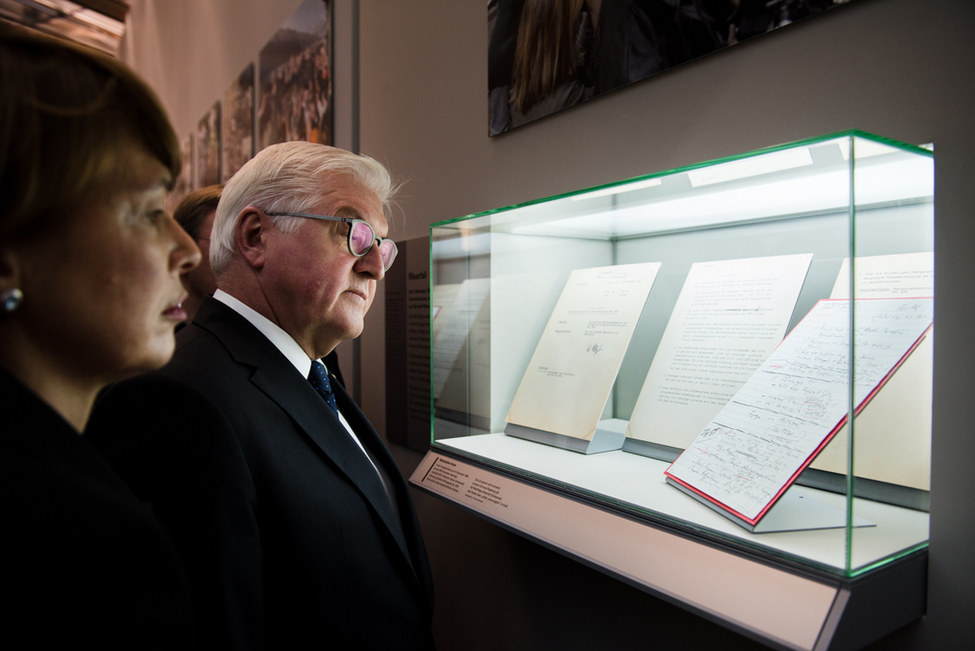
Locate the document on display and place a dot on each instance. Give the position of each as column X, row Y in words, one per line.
column 457, row 308
column 730, row 315
column 893, row 432
column 574, row 366
column 756, row 446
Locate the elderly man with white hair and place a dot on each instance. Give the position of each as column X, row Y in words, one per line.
column 296, row 527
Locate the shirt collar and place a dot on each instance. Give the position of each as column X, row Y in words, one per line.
column 281, row 339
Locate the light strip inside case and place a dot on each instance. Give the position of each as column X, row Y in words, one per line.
column 736, row 197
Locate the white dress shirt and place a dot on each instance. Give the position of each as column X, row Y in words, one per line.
column 283, row 342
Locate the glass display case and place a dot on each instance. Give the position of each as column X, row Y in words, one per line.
column 729, row 361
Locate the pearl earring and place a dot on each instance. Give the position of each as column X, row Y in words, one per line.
column 11, row 299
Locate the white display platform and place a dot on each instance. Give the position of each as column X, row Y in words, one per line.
column 639, row 481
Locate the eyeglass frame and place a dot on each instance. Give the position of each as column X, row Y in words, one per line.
column 351, row 221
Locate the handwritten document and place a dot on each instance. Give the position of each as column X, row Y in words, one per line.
column 729, row 317
column 574, row 366
column 754, row 448
column 893, row 432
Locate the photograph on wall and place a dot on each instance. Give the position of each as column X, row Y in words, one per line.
column 237, row 125
column 208, row 147
column 184, row 182
column 548, row 55
column 296, row 78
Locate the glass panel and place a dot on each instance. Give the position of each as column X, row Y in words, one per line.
column 889, row 460
column 743, row 250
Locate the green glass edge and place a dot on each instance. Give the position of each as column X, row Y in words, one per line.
column 848, row 571
column 678, row 170
column 887, row 560
column 430, row 331
column 851, row 379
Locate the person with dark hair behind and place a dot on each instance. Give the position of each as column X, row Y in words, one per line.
column 195, row 214
column 89, row 294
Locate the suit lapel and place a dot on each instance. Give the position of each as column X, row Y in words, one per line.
column 381, row 455
column 277, row 378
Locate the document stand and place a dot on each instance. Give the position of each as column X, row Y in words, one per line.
column 652, row 450
column 794, row 511
column 609, row 435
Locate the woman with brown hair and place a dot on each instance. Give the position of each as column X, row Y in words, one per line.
column 89, row 294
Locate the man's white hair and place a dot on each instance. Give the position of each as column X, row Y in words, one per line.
column 289, row 177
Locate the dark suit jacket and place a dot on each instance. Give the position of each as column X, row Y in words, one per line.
column 85, row 564
column 289, row 539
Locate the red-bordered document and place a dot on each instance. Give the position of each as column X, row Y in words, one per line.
column 756, row 446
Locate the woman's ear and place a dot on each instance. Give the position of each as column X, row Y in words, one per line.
column 9, row 269
column 10, row 281
column 250, row 238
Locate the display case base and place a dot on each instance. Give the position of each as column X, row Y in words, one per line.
column 781, row 605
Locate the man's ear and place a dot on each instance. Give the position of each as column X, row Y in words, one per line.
column 250, row 238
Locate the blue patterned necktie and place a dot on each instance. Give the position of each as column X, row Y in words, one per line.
column 318, row 376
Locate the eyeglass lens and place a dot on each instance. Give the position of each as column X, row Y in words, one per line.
column 361, row 238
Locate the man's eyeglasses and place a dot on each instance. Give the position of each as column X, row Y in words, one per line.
column 361, row 236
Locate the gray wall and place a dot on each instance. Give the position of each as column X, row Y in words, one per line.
column 899, row 68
